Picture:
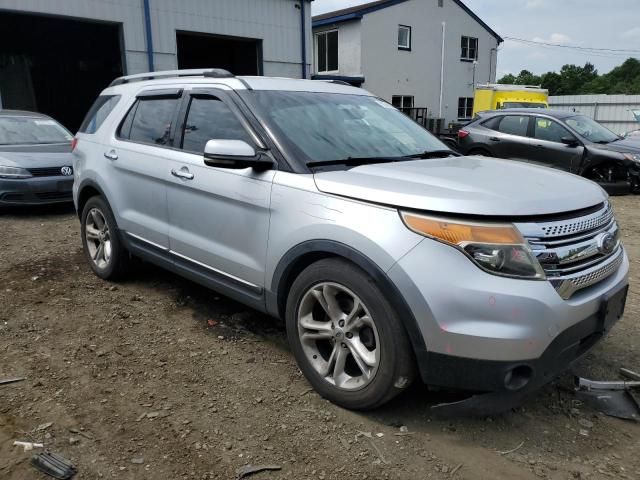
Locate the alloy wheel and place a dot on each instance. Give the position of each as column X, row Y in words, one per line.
column 338, row 336
column 98, row 237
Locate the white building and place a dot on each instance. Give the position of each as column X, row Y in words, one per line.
column 413, row 53
column 56, row 55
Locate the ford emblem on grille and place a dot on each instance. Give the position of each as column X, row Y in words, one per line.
column 66, row 171
column 606, row 243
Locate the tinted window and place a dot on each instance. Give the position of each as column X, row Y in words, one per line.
column 492, row 123
column 150, row 121
column 208, row 119
column 98, row 112
column 514, row 125
column 545, row 129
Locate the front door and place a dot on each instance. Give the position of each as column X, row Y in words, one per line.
column 547, row 148
column 219, row 218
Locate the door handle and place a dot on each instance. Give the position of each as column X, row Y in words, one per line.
column 183, row 173
column 111, row 155
column 494, row 139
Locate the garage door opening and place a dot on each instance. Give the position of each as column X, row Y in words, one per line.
column 241, row 56
column 56, row 65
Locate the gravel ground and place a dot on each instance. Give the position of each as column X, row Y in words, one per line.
column 158, row 378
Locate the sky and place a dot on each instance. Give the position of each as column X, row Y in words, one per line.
column 612, row 24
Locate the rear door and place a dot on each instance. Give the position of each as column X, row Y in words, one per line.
column 548, row 149
column 219, row 217
column 508, row 138
column 139, row 173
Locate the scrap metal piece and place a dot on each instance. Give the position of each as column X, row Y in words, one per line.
column 625, row 372
column 480, row 405
column 247, row 470
column 585, row 384
column 7, row 381
column 53, row 465
column 615, row 403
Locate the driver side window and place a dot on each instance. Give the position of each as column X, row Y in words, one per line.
column 548, row 130
column 209, row 118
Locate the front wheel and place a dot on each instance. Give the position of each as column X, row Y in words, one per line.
column 346, row 337
column 614, row 179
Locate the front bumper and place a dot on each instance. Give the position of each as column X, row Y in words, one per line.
column 478, row 327
column 35, row 191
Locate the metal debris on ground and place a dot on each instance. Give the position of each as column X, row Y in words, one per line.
column 614, row 398
column 247, row 470
column 27, row 445
column 7, row 381
column 53, row 465
column 507, row 452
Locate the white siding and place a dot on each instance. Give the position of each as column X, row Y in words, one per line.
column 389, row 71
column 612, row 111
column 275, row 22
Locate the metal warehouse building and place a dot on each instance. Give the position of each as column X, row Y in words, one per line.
column 56, row 55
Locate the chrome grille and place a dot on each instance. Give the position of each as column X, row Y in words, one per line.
column 578, row 252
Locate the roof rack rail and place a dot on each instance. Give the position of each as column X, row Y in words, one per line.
column 198, row 72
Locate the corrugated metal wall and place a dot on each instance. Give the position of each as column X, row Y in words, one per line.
column 275, row 22
column 616, row 112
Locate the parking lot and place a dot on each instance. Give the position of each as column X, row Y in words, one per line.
column 158, row 378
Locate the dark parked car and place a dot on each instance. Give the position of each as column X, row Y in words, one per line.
column 559, row 139
column 35, row 159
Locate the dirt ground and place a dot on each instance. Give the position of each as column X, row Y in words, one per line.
column 158, row 378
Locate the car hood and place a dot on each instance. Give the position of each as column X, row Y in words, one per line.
column 626, row 145
column 36, row 156
column 465, row 185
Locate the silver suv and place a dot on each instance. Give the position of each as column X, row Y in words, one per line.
column 388, row 255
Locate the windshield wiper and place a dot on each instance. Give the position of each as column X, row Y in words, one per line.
column 434, row 154
column 355, row 161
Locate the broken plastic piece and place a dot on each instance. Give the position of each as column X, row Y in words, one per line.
column 54, row 465
column 27, row 445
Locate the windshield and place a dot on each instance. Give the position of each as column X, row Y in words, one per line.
column 591, row 130
column 319, row 127
column 31, row 131
column 523, row 105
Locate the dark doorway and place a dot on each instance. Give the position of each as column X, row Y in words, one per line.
column 56, row 65
column 241, row 56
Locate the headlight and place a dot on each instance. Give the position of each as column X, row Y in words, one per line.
column 14, row 172
column 634, row 157
column 497, row 248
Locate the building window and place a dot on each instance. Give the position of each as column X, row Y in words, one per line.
column 465, row 108
column 327, row 51
column 404, row 37
column 402, row 101
column 469, row 49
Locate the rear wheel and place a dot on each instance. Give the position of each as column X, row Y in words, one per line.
column 101, row 243
column 346, row 337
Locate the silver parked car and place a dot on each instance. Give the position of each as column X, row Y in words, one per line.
column 35, row 159
column 388, row 256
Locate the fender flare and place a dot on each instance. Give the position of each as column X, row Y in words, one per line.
column 88, row 182
column 276, row 296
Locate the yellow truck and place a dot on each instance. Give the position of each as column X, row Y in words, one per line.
column 494, row 96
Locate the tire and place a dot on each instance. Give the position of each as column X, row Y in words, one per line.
column 102, row 245
column 374, row 332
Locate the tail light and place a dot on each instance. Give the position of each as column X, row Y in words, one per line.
column 74, row 142
column 462, row 134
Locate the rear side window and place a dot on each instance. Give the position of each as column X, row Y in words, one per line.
column 149, row 121
column 208, row 119
column 98, row 112
column 514, row 125
column 492, row 123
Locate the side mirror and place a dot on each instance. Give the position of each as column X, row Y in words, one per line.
column 235, row 154
column 570, row 141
